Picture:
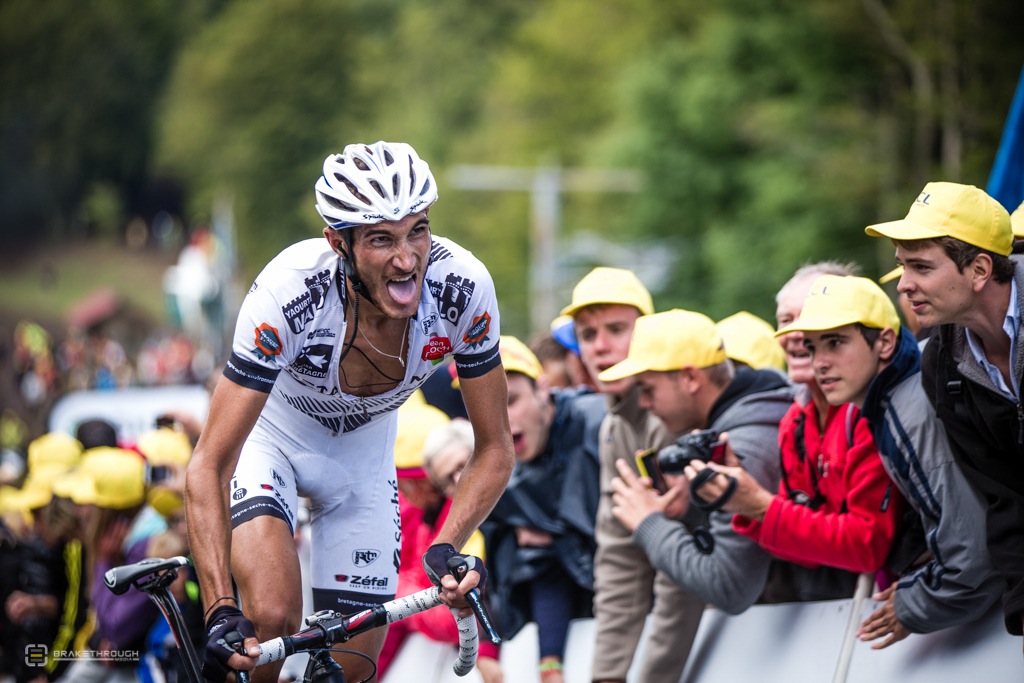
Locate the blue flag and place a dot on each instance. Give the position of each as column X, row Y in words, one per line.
column 1006, row 181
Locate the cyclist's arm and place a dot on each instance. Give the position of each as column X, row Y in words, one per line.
column 487, row 472
column 234, row 410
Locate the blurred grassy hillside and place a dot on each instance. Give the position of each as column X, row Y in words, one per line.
column 44, row 284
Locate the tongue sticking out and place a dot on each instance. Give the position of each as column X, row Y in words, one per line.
column 404, row 293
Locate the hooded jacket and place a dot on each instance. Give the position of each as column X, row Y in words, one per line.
column 734, row 574
column 958, row 584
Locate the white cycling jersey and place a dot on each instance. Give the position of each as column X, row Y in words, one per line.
column 315, row 441
column 293, row 320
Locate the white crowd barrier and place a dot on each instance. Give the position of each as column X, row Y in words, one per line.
column 132, row 410
column 788, row 643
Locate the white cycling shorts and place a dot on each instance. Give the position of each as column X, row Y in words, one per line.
column 350, row 482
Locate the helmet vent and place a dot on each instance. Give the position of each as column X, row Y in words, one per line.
column 376, row 186
column 360, row 164
column 352, row 188
column 337, row 203
column 388, row 159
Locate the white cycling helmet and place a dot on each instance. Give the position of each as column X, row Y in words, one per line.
column 385, row 181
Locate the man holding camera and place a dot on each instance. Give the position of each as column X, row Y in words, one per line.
column 685, row 378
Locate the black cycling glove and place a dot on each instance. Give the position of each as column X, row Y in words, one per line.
column 441, row 559
column 224, row 620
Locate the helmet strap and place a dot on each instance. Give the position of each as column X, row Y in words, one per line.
column 348, row 265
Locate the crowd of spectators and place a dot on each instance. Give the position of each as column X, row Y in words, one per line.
column 835, row 449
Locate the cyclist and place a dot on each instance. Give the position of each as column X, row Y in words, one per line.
column 332, row 337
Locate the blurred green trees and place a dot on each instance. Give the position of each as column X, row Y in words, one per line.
column 769, row 131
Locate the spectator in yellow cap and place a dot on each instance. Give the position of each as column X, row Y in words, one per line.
column 113, row 480
column 685, row 378
column 46, row 599
column 49, row 456
column 862, row 356
column 605, row 306
column 955, row 246
column 424, row 508
column 167, row 453
column 751, row 341
column 540, row 536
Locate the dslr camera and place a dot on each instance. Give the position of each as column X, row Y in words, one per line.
column 700, row 445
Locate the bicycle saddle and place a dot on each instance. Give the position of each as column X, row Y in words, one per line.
column 120, row 579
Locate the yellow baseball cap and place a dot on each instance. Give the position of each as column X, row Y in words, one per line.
column 165, row 446
column 107, row 477
column 35, row 492
column 667, row 341
column 517, row 357
column 416, row 420
column 1017, row 222
column 835, row 301
column 962, row 212
column 751, row 340
column 53, row 450
column 605, row 285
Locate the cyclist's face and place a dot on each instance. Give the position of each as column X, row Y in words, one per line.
column 391, row 260
column 529, row 415
column 603, row 332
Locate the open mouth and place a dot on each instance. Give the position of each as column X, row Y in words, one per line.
column 403, row 290
column 518, row 443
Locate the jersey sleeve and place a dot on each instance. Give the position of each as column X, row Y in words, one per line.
column 260, row 344
column 475, row 343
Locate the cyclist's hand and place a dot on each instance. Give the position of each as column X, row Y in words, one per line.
column 221, row 657
column 437, row 562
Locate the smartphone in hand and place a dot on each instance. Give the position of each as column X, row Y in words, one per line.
column 647, row 463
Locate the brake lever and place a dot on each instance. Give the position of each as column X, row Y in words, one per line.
column 237, row 641
column 473, row 597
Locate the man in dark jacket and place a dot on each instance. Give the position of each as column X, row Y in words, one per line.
column 540, row 535
column 954, row 245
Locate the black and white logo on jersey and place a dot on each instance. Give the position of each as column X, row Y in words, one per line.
column 315, row 360
column 428, row 322
column 364, row 556
column 300, row 310
column 453, row 297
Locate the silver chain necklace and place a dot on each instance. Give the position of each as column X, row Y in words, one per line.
column 399, row 357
